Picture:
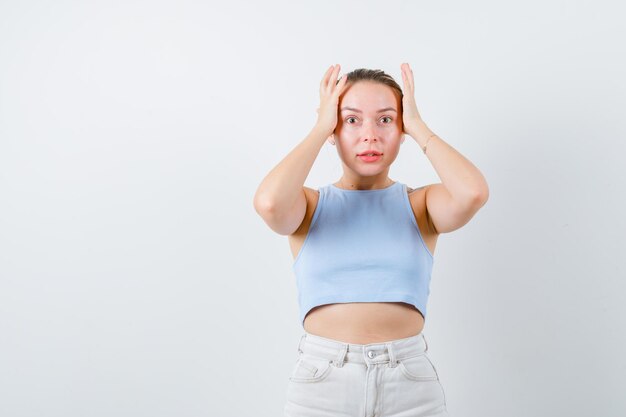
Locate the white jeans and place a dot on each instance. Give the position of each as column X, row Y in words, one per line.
column 387, row 379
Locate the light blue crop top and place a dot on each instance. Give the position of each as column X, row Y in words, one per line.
column 363, row 246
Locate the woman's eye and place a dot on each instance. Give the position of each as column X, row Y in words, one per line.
column 354, row 118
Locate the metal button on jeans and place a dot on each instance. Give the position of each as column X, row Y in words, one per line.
column 370, row 354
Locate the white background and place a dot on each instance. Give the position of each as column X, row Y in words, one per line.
column 136, row 279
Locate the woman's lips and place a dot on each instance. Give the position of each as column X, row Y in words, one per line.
column 366, row 158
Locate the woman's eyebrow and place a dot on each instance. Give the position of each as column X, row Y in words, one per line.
column 359, row 111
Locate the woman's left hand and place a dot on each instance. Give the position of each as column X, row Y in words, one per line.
column 410, row 115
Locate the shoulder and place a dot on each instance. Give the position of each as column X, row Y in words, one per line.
column 415, row 190
column 417, row 195
column 312, row 197
column 310, row 193
column 309, row 189
column 417, row 198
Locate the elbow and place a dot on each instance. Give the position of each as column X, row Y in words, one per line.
column 262, row 204
column 481, row 196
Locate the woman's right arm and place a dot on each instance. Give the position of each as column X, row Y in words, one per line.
column 280, row 198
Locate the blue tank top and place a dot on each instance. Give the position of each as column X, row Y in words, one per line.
column 363, row 246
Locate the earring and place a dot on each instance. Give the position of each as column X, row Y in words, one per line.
column 332, row 143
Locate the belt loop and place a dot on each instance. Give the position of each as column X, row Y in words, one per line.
column 392, row 355
column 300, row 343
column 342, row 356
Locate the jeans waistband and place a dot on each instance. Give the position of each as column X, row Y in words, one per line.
column 372, row 353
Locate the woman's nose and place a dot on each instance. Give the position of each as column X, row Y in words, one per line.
column 369, row 132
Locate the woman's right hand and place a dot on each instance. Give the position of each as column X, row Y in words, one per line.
column 330, row 90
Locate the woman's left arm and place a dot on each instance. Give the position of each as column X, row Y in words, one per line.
column 464, row 190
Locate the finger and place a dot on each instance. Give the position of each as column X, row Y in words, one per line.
column 409, row 75
column 334, row 75
column 407, row 82
column 332, row 79
column 341, row 84
column 404, row 77
column 324, row 82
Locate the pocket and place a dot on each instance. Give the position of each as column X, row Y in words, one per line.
column 311, row 369
column 418, row 368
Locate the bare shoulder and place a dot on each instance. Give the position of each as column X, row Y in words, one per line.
column 310, row 191
column 312, row 197
column 296, row 239
column 417, row 197
column 414, row 192
column 411, row 190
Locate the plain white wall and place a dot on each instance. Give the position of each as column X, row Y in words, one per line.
column 136, row 279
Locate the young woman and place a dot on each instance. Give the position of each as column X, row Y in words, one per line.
column 363, row 250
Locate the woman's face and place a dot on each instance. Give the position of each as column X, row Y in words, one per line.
column 369, row 117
